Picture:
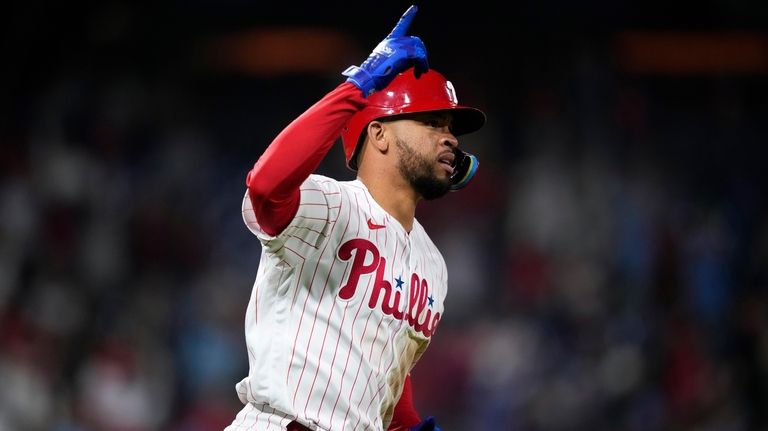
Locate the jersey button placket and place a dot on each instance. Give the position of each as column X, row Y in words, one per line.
column 407, row 281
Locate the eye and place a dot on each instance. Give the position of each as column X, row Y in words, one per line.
column 435, row 122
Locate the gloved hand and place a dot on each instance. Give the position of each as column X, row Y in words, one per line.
column 396, row 53
column 427, row 424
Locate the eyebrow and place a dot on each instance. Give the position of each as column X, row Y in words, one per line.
column 432, row 116
column 423, row 117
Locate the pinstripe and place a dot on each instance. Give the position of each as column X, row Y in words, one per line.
column 362, row 392
column 298, row 279
column 333, row 305
column 378, row 368
column 330, row 377
column 298, row 328
column 346, row 363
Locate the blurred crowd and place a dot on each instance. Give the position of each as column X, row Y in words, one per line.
column 607, row 267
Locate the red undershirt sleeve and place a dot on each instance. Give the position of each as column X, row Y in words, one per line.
column 405, row 415
column 273, row 183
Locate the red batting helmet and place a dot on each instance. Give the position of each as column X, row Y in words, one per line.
column 407, row 94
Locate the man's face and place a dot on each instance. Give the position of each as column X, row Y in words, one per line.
column 426, row 153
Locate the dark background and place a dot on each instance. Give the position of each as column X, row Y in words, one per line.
column 607, row 265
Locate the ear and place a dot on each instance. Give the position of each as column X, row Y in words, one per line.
column 378, row 135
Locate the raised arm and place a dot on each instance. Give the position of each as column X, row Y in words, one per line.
column 273, row 183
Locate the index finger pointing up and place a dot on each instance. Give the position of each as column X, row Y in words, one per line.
column 401, row 28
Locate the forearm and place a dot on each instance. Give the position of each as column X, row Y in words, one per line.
column 405, row 415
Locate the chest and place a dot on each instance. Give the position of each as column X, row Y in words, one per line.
column 402, row 276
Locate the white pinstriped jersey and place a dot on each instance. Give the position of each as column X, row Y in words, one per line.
column 344, row 304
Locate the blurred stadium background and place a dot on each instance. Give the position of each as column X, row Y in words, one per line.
column 608, row 267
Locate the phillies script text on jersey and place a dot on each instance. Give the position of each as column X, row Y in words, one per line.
column 359, row 250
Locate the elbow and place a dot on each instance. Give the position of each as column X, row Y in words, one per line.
column 272, row 207
column 258, row 190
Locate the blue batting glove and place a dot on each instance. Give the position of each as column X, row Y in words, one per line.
column 427, row 424
column 396, row 53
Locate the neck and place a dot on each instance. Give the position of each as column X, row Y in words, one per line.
column 395, row 195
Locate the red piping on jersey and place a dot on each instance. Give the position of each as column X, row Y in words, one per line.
column 273, row 183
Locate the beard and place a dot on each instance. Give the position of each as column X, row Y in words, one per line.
column 420, row 173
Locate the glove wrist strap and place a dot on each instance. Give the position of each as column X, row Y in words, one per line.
column 361, row 78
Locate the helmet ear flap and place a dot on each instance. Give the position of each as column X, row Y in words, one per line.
column 464, row 169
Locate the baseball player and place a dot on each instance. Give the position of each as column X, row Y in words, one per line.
column 350, row 288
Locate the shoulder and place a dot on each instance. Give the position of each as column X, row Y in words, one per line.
column 320, row 182
column 330, row 185
column 324, row 183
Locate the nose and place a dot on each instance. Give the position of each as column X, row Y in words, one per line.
column 450, row 141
